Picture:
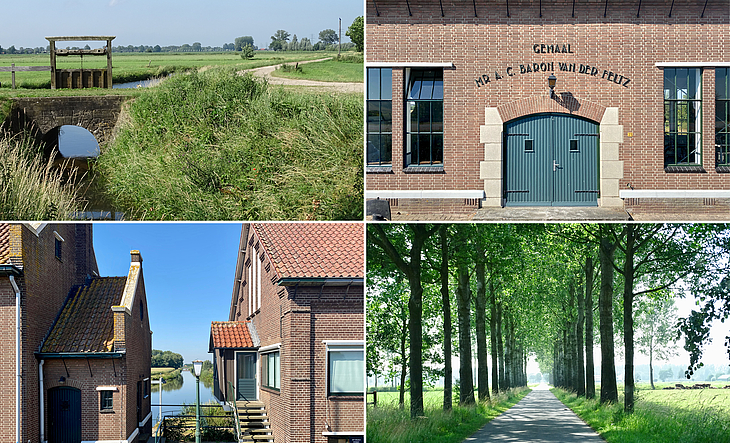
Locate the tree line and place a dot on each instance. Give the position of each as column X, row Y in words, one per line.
column 166, row 359
column 551, row 291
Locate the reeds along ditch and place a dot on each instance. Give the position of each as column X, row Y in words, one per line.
column 219, row 145
column 31, row 188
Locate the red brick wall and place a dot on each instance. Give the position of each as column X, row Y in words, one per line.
column 46, row 283
column 620, row 43
column 95, row 425
column 300, row 320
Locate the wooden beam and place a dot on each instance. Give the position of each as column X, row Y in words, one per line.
column 24, row 68
column 80, row 38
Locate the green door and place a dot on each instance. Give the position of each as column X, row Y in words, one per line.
column 551, row 160
column 246, row 368
column 64, row 415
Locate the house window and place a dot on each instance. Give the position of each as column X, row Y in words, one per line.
column 380, row 116
column 425, row 118
column 345, row 369
column 58, row 244
column 270, row 370
column 106, row 400
column 722, row 116
column 682, row 116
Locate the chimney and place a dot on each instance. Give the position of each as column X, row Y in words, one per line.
column 136, row 256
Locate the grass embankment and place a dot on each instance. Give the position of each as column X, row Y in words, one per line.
column 388, row 423
column 347, row 68
column 31, row 188
column 166, row 373
column 215, row 145
column 697, row 416
column 127, row 67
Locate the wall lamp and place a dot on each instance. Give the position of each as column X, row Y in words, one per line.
column 551, row 83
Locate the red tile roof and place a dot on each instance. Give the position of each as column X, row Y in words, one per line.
column 314, row 250
column 86, row 322
column 230, row 334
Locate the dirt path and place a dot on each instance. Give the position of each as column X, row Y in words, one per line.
column 539, row 417
column 265, row 72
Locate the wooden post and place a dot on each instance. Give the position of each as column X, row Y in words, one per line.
column 53, row 64
column 12, row 73
column 109, row 63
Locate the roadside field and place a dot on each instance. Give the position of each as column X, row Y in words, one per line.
column 344, row 70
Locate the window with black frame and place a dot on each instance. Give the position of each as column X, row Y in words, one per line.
column 271, row 370
column 380, row 117
column 682, row 117
column 722, row 118
column 425, row 118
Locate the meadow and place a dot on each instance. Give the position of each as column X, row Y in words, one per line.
column 347, row 68
column 127, row 67
column 388, row 423
column 692, row 416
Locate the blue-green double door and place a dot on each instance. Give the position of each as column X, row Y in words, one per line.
column 551, row 160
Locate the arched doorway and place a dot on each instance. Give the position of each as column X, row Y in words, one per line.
column 551, row 160
column 64, row 415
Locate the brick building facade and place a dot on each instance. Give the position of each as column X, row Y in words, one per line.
column 460, row 113
column 91, row 372
column 297, row 319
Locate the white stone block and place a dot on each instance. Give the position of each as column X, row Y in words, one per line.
column 491, row 202
column 493, row 188
column 612, row 133
column 490, row 170
column 491, row 117
column 490, row 134
column 609, row 187
column 609, row 151
column 610, row 117
column 493, row 152
column 614, row 169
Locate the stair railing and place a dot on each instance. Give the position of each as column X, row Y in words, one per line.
column 231, row 398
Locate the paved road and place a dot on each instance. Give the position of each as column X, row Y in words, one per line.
column 538, row 418
column 266, row 71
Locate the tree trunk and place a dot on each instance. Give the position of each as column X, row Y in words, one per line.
column 404, row 332
column 629, row 318
column 500, row 348
column 580, row 375
column 507, row 351
column 446, row 306
column 463, row 293
column 590, row 377
column 609, row 390
column 481, row 328
column 651, row 363
column 493, row 337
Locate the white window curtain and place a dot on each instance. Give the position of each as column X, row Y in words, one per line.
column 346, row 371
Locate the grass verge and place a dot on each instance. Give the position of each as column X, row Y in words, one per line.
column 215, row 145
column 348, row 68
column 659, row 416
column 387, row 423
column 31, row 188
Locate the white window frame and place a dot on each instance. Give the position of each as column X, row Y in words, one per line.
column 339, row 346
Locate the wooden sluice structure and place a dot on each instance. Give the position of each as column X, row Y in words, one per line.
column 81, row 78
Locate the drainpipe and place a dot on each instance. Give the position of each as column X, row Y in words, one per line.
column 17, row 358
column 40, row 396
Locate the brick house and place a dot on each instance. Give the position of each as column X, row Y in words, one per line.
column 292, row 351
column 79, row 367
column 461, row 115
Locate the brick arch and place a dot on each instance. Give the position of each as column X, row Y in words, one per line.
column 70, row 382
column 564, row 103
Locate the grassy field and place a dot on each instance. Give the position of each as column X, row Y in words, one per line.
column 348, row 68
column 161, row 370
column 215, row 145
column 701, row 416
column 389, row 423
column 128, row 67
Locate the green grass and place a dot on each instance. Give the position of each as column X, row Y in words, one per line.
column 128, row 67
column 215, row 145
column 691, row 416
column 31, row 188
column 388, row 423
column 348, row 69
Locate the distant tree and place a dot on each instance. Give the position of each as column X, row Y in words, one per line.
column 663, row 375
column 328, row 37
column 656, row 333
column 355, row 32
column 276, row 45
column 1, row 49
column 294, row 43
column 185, row 47
column 87, row 47
column 281, row 35
column 247, row 52
column 240, row 42
column 197, row 47
column 166, row 359
column 305, row 44
column 157, row 48
column 12, row 50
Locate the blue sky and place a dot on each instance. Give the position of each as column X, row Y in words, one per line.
column 188, row 271
column 168, row 22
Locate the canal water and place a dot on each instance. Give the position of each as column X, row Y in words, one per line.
column 176, row 393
